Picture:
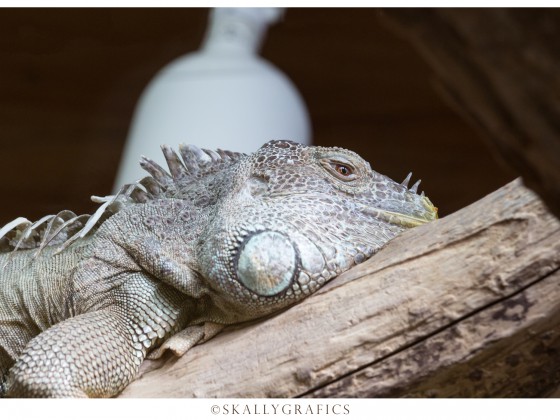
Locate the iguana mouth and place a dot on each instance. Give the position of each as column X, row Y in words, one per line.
column 403, row 219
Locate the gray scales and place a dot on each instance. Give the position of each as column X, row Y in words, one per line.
column 167, row 262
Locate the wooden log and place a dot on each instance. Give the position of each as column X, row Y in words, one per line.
column 466, row 306
column 499, row 67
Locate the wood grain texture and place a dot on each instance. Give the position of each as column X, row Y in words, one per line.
column 465, row 306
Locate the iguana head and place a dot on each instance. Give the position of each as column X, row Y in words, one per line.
column 294, row 217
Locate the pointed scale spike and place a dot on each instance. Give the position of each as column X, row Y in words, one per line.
column 151, row 186
column 189, row 157
column 93, row 219
column 26, row 234
column 137, row 192
column 414, row 188
column 140, row 196
column 223, row 154
column 406, row 180
column 193, row 157
column 156, row 171
column 213, row 155
column 13, row 224
column 73, row 231
column 229, row 155
column 30, row 229
column 174, row 163
column 232, row 155
column 53, row 228
column 66, row 225
column 55, row 222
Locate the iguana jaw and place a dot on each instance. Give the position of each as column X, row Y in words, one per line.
column 405, row 220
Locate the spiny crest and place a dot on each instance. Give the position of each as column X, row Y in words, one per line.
column 61, row 229
column 196, row 163
column 66, row 227
column 24, row 234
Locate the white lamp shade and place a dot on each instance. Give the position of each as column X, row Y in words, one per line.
column 226, row 98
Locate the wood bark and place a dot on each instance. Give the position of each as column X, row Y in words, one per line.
column 499, row 67
column 465, row 306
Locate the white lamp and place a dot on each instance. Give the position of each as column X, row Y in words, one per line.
column 222, row 96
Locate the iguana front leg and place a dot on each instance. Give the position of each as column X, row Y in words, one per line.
column 92, row 355
column 98, row 353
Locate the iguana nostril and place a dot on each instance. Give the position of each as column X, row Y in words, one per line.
column 266, row 263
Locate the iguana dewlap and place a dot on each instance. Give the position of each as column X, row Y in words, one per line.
column 223, row 238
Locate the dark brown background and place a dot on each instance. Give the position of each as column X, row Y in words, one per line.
column 70, row 78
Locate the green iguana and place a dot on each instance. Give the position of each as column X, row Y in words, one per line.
column 168, row 261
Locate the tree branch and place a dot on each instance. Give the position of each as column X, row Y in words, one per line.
column 466, row 306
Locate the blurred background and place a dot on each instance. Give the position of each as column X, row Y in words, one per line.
column 70, row 80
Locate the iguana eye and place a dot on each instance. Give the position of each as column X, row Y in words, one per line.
column 341, row 170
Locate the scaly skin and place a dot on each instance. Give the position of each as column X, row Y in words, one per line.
column 224, row 238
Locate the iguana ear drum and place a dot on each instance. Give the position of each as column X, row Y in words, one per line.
column 267, row 263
